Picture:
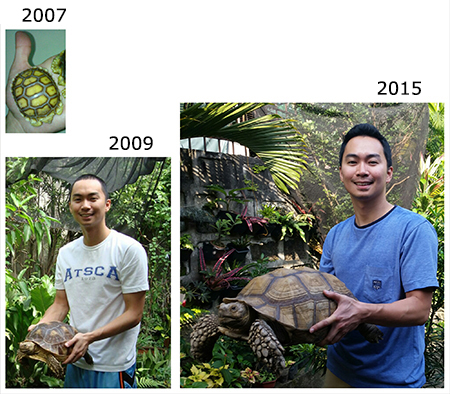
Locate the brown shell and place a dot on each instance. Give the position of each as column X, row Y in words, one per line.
column 293, row 298
column 52, row 336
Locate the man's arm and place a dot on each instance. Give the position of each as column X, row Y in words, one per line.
column 57, row 311
column 410, row 311
column 134, row 307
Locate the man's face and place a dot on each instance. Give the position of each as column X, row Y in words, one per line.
column 88, row 203
column 364, row 169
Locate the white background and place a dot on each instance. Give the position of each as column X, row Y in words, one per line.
column 131, row 63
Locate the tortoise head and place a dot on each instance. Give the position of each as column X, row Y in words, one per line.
column 28, row 347
column 235, row 314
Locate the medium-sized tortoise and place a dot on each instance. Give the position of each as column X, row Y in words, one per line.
column 46, row 342
column 273, row 310
column 37, row 95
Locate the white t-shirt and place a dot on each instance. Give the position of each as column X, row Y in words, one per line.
column 95, row 279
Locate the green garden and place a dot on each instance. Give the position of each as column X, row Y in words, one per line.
column 296, row 147
column 38, row 223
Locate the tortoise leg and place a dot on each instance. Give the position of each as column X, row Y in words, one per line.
column 267, row 347
column 204, row 336
column 88, row 358
column 55, row 365
column 371, row 332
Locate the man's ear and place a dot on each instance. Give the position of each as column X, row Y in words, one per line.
column 108, row 205
column 390, row 172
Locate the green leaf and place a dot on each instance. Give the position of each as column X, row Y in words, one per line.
column 41, row 299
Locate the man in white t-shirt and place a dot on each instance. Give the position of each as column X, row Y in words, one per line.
column 101, row 278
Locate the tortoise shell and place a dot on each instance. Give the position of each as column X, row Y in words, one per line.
column 292, row 298
column 51, row 337
column 36, row 95
column 59, row 67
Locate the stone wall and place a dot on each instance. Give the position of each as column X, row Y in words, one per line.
column 199, row 169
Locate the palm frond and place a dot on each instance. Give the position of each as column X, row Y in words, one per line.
column 273, row 139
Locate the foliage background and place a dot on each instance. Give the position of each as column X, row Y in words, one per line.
column 36, row 227
column 416, row 135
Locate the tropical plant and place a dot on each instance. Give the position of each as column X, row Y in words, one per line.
column 310, row 357
column 291, row 223
column 216, row 278
column 223, row 228
column 26, row 302
column 204, row 376
column 153, row 369
column 186, row 242
column 273, row 139
column 231, row 196
column 197, row 292
column 251, row 220
column 250, row 375
column 435, row 143
column 429, row 202
column 26, row 222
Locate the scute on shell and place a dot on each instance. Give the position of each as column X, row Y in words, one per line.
column 36, row 95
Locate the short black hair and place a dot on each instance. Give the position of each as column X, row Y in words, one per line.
column 366, row 129
column 94, row 177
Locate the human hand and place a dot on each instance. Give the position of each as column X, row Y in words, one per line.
column 79, row 344
column 344, row 319
column 15, row 122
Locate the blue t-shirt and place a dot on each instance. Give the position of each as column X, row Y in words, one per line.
column 379, row 263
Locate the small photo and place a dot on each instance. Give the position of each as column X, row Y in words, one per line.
column 36, row 81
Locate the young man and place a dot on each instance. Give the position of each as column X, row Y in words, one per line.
column 387, row 256
column 101, row 278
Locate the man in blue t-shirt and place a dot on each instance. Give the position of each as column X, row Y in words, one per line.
column 387, row 256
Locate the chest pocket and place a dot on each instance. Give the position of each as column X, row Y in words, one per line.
column 378, row 285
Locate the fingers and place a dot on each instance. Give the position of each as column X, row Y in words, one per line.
column 79, row 348
column 336, row 333
column 23, row 50
column 332, row 295
column 323, row 323
column 31, row 327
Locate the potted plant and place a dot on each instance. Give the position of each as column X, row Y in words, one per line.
column 288, row 224
column 240, row 246
column 256, row 225
column 186, row 247
column 228, row 197
column 217, row 278
column 264, row 379
column 222, row 228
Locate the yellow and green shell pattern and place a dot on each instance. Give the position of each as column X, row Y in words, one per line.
column 59, row 67
column 37, row 95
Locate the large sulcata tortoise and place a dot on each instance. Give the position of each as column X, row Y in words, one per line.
column 46, row 342
column 274, row 309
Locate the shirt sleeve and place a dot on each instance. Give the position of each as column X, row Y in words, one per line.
column 326, row 263
column 134, row 269
column 418, row 262
column 59, row 278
